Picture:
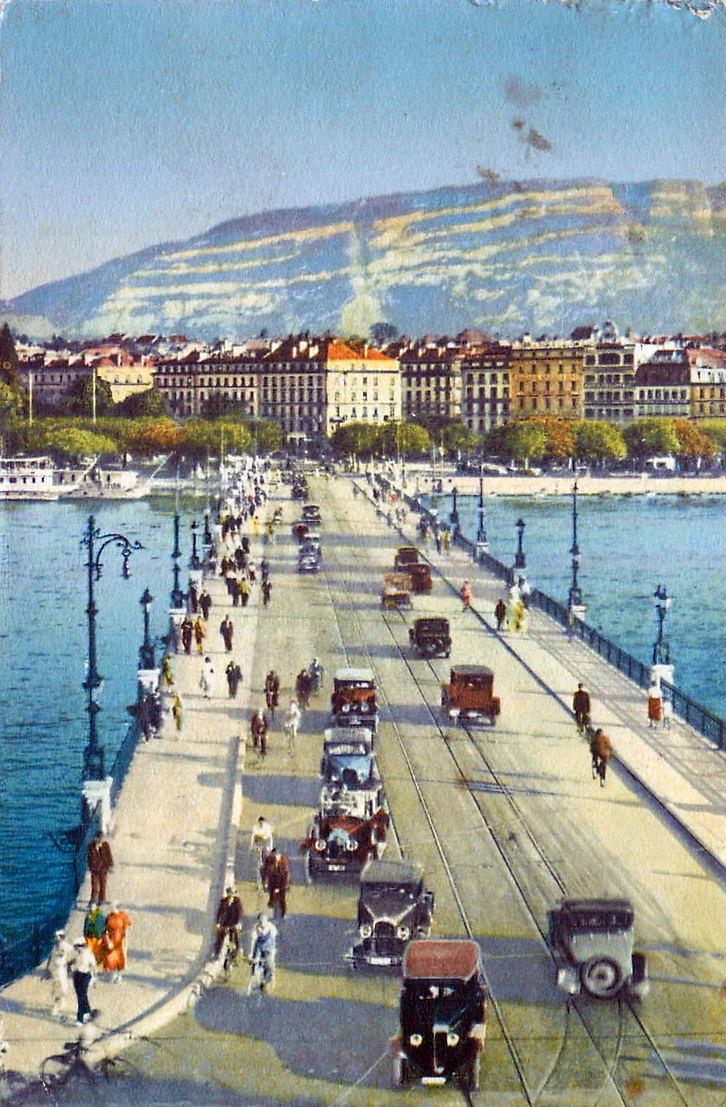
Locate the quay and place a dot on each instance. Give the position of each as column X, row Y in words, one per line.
column 505, row 822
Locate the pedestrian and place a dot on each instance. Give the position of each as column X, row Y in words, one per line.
column 100, row 863
column 228, row 921
column 240, row 558
column 187, row 632
column 262, row 840
column 263, row 951
column 655, row 704
column 581, row 708
column 200, row 633
column 206, row 680
column 233, row 585
column 94, row 925
column 272, row 691
column 205, row 603
column 291, row 725
column 252, row 572
column 244, row 590
column 465, row 593
column 84, row 973
column 446, row 540
column 667, row 709
column 167, row 671
column 264, row 569
column 226, row 629
column 177, row 712
column 117, row 925
column 500, row 613
column 258, row 731
column 266, row 591
column 437, row 540
column 601, row 751
column 234, row 676
column 193, row 596
column 277, row 881
column 303, row 686
column 525, row 589
column 57, row 967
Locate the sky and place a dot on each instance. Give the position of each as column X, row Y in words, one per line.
column 131, row 122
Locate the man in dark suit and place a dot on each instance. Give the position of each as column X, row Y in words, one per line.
column 100, row 863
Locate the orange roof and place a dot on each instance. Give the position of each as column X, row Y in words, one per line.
column 341, row 351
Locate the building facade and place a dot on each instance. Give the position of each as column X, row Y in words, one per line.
column 430, row 381
column 485, row 387
column 546, row 378
column 662, row 386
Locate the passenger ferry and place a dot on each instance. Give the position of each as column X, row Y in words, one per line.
column 28, row 478
column 96, row 483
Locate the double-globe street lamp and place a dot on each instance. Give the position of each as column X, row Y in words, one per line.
column 482, row 543
column 96, row 543
column 574, row 598
column 177, row 596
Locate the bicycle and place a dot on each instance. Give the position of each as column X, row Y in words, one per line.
column 262, row 974
column 61, row 1068
column 230, row 950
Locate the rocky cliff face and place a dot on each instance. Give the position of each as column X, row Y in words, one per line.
column 509, row 256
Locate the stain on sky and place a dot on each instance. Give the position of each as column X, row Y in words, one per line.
column 522, row 93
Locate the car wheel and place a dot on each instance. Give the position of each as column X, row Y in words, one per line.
column 399, row 1071
column 601, row 977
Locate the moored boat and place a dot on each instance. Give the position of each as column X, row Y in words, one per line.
column 28, row 478
column 96, row 483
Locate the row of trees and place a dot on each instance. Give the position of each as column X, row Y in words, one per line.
column 541, row 439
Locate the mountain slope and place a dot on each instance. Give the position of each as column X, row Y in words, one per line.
column 509, row 256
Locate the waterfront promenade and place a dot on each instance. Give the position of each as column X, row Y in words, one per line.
column 322, row 1030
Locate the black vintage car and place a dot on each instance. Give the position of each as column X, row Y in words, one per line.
column 348, row 757
column 339, row 844
column 394, row 906
column 593, row 944
column 311, row 513
column 442, row 1014
column 430, row 637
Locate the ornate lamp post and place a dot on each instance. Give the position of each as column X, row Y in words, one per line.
column 207, row 531
column 454, row 514
column 574, row 598
column 147, row 660
column 482, row 543
column 194, row 562
column 177, row 596
column 96, row 543
column 520, row 561
column 661, row 649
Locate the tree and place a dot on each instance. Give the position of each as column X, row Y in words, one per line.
column 457, row 437
column 75, row 444
column 139, row 404
column 693, row 444
column 524, row 442
column 266, row 434
column 383, row 333
column 11, row 405
column 158, row 436
column 8, row 357
column 361, row 439
column 597, row 442
column 716, row 431
column 218, row 406
column 651, row 437
column 78, row 400
column 559, row 434
column 404, row 438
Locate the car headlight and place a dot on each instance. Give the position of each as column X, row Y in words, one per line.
column 403, row 933
column 351, row 846
column 452, row 1038
column 320, row 845
column 415, row 1039
column 454, row 713
column 365, row 930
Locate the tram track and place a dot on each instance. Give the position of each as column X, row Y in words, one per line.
column 624, row 1007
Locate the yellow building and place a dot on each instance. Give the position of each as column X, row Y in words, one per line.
column 546, row 378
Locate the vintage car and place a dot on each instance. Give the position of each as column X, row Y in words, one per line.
column 311, row 513
column 420, row 574
column 592, row 941
column 430, row 637
column 310, row 541
column 442, row 1014
column 299, row 490
column 394, row 906
column 348, row 757
column 405, row 556
column 353, row 701
column 361, row 800
column 341, row 844
column 300, row 529
column 396, row 592
column 469, row 695
column 308, row 560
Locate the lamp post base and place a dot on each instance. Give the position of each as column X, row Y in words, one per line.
column 480, row 549
column 575, row 611
column 97, row 793
column 176, row 618
column 661, row 672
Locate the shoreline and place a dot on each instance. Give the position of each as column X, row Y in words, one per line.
column 641, row 485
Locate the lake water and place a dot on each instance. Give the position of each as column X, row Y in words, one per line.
column 629, row 546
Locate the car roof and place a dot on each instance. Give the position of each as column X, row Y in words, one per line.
column 440, row 959
column 309, row 505
column 400, row 548
column 392, row 872
column 348, row 734
column 596, row 905
column 354, row 674
column 472, row 670
column 353, row 736
column 428, row 619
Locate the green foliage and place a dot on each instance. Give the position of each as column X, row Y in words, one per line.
column 74, row 444
column 360, row 439
column 11, row 405
column 148, row 402
column 78, row 400
column 152, row 436
column 8, row 357
column 651, row 438
column 716, row 431
column 266, row 434
column 692, row 442
column 404, row 438
column 597, row 442
column 458, row 438
column 219, row 406
column 560, row 438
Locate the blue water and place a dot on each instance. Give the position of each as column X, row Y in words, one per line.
column 43, row 651
column 629, row 545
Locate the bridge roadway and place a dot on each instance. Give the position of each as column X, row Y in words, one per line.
column 505, row 821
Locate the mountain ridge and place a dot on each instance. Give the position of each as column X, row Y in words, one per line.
column 505, row 256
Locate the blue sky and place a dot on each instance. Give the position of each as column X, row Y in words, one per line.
column 130, row 122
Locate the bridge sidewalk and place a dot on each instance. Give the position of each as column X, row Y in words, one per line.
column 172, row 844
column 680, row 767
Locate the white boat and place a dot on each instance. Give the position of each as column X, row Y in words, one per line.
column 96, row 483
column 28, row 478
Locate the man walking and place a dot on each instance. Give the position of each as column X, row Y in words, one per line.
column 291, row 725
column 234, row 676
column 244, row 590
column 258, row 732
column 206, row 680
column 272, row 691
column 229, row 922
column 266, row 591
column 277, row 881
column 187, row 630
column 601, row 750
column 84, row 971
column 226, row 629
column 57, row 965
column 100, row 863
column 581, row 708
column 500, row 613
column 205, row 603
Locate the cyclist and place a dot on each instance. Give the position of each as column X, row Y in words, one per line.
column 263, row 951
column 229, row 922
column 262, row 840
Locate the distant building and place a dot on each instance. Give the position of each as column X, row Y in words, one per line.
column 485, row 387
column 430, row 380
column 609, row 381
column 708, row 383
column 662, row 386
column 546, row 378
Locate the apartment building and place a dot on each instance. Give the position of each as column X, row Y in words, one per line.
column 662, row 386
column 485, row 387
column 546, row 378
column 708, row 383
column 430, row 380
